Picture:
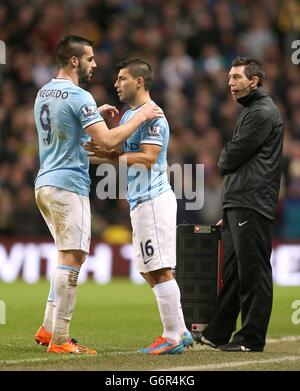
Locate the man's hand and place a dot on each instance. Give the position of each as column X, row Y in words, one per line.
column 150, row 111
column 107, row 111
column 95, row 151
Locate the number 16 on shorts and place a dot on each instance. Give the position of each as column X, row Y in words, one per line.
column 147, row 250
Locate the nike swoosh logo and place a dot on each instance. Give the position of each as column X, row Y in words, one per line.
column 244, row 222
column 145, row 262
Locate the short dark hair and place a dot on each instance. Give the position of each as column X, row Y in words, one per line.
column 71, row 45
column 252, row 68
column 138, row 68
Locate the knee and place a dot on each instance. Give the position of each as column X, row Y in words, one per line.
column 161, row 275
column 72, row 257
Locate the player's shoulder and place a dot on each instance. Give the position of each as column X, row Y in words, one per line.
column 62, row 88
column 83, row 99
column 160, row 121
column 157, row 127
column 80, row 93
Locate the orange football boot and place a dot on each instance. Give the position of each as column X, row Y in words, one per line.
column 42, row 336
column 71, row 346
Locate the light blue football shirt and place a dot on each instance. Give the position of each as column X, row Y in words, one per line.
column 62, row 111
column 143, row 184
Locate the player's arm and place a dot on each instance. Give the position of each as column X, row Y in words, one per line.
column 98, row 156
column 109, row 139
column 147, row 156
column 151, row 141
column 97, row 160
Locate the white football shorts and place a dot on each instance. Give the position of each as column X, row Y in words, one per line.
column 68, row 216
column 154, row 232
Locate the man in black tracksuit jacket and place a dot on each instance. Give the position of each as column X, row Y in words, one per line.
column 251, row 166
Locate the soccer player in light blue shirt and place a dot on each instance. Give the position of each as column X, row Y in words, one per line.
column 155, row 181
column 66, row 116
column 153, row 205
column 62, row 112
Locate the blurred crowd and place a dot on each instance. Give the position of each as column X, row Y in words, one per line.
column 190, row 45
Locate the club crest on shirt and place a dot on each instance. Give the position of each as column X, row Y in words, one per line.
column 89, row 111
column 154, row 130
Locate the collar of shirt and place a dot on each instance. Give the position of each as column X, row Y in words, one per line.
column 252, row 97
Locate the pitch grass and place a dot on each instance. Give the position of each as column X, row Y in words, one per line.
column 117, row 319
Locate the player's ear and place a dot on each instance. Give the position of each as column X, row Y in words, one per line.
column 140, row 82
column 74, row 61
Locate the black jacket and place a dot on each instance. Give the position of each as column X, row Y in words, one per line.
column 251, row 161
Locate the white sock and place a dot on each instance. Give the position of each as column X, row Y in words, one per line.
column 181, row 318
column 168, row 299
column 48, row 317
column 65, row 299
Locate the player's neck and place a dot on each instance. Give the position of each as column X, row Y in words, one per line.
column 67, row 76
column 140, row 101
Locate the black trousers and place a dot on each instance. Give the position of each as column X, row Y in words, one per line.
column 247, row 280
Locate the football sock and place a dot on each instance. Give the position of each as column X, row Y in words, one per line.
column 65, row 297
column 181, row 317
column 168, row 299
column 48, row 317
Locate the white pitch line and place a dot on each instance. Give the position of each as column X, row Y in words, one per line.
column 53, row 358
column 288, row 338
column 232, row 364
column 23, row 360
